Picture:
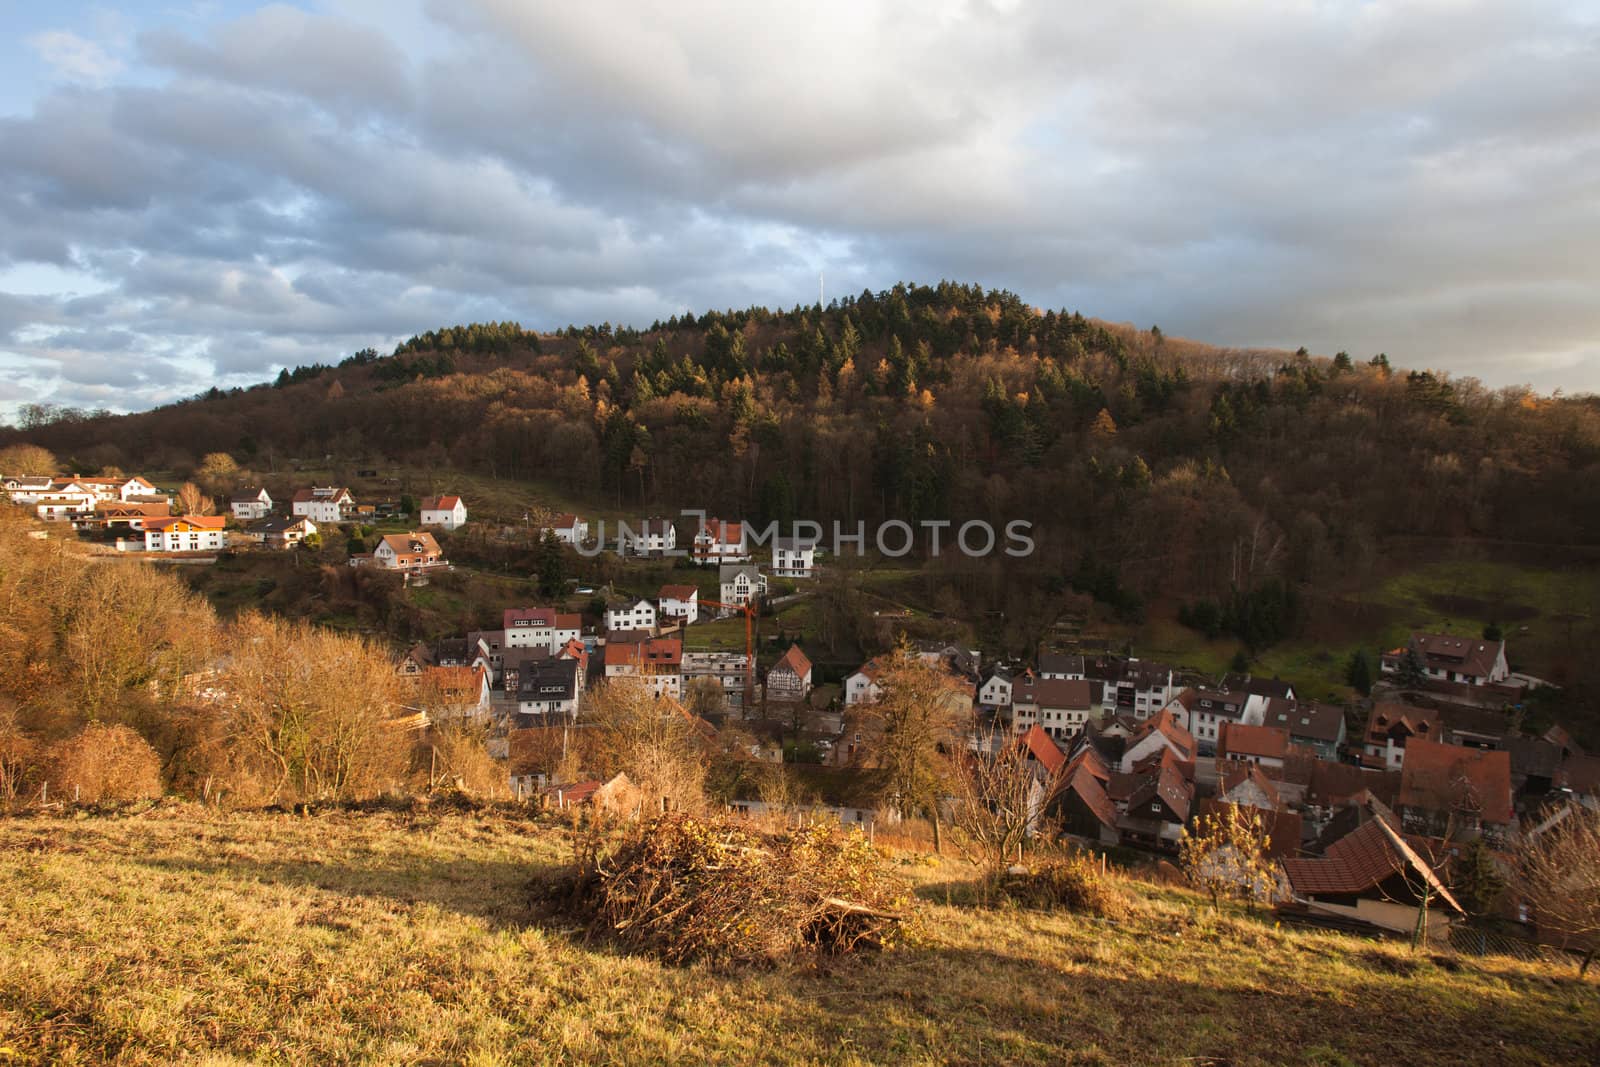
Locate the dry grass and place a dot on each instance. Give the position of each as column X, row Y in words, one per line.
column 179, row 934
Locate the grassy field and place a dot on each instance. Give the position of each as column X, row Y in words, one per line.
column 184, row 935
column 1547, row 616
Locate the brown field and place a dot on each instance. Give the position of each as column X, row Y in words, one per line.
column 179, row 934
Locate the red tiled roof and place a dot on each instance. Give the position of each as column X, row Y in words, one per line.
column 1042, row 747
column 1465, row 655
column 655, row 652
column 401, row 544
column 1262, row 742
column 1361, row 861
column 1403, row 720
column 199, row 522
column 1167, row 725
column 1235, row 773
column 679, row 592
column 1283, row 827
column 442, row 503
column 549, row 617
column 1092, row 792
column 1439, row 777
column 794, row 660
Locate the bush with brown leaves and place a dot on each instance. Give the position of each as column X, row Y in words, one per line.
column 1074, row 882
column 685, row 889
column 105, row 762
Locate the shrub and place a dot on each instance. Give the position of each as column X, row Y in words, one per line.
column 1075, row 883
column 105, row 762
column 686, row 889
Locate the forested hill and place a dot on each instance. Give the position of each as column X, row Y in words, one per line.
column 1168, row 462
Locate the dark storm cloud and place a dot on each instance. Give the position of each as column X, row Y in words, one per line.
column 285, row 187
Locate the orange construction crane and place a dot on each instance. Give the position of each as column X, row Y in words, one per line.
column 749, row 612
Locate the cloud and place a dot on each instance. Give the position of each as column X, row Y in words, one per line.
column 75, row 58
column 286, row 186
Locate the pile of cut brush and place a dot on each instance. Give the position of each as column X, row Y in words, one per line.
column 686, row 889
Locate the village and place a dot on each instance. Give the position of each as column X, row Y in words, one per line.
column 1372, row 811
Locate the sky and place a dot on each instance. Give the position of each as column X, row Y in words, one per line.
column 200, row 193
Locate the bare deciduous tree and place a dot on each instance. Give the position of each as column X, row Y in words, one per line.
column 652, row 739
column 1558, row 877
column 191, row 501
column 1000, row 797
column 313, row 714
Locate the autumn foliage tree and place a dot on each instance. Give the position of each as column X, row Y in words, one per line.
column 1224, row 854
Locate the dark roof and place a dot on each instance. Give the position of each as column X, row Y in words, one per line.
column 1216, row 702
column 1531, row 757
column 548, row 679
column 1271, row 688
column 1057, row 663
column 1092, row 792
column 1055, row 693
column 1174, row 790
column 1305, row 718
column 1465, row 655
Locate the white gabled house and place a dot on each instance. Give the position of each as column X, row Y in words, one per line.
column 541, row 628
column 251, row 504
column 185, row 533
column 653, row 537
column 679, row 604
column 637, row 615
column 569, row 529
column 323, row 503
column 793, row 557
column 790, row 678
column 742, row 584
column 445, row 511
column 994, row 692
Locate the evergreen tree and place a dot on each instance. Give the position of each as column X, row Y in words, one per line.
column 1358, row 672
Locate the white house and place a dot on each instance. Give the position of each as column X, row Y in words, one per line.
column 742, row 584
column 323, row 503
column 26, row 489
column 282, row 533
column 446, row 511
column 185, row 533
column 1153, row 735
column 639, row 615
column 720, row 541
column 1053, row 665
column 65, row 500
column 994, row 693
column 456, row 692
column 1060, row 706
column 117, row 489
column 679, row 604
column 251, row 504
column 862, row 687
column 1447, row 658
column 1203, row 712
column 549, row 688
column 793, row 557
column 1134, row 687
column 414, row 551
column 541, row 628
column 569, row 529
column 652, row 537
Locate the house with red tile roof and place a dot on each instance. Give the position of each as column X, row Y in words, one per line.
column 1151, row 735
column 413, row 552
column 1450, row 791
column 790, row 678
column 185, row 533
column 1391, row 726
column 720, row 541
column 1265, row 746
column 1043, row 752
column 678, row 604
column 1157, row 809
column 1372, row 875
column 447, row 512
column 544, row 628
column 657, row 660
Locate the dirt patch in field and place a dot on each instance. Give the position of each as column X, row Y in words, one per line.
column 1471, row 607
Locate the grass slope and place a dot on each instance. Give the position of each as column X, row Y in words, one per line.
column 179, row 934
